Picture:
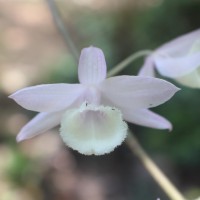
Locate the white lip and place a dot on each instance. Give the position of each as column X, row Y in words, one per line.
column 93, row 129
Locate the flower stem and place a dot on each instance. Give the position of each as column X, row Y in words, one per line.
column 153, row 169
column 62, row 28
column 127, row 61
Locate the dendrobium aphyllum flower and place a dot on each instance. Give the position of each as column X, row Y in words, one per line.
column 178, row 59
column 91, row 114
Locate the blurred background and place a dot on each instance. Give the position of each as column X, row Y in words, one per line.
column 33, row 52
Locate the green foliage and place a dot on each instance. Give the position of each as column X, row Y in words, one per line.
column 20, row 168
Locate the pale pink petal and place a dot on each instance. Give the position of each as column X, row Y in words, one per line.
column 136, row 91
column 176, row 67
column 148, row 68
column 39, row 124
column 180, row 45
column 49, row 97
column 92, row 66
column 145, row 117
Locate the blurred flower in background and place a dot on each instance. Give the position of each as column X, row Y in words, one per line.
column 178, row 59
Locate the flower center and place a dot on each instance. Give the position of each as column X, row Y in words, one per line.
column 92, row 96
column 92, row 129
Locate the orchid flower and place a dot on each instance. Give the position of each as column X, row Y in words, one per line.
column 178, row 59
column 91, row 114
